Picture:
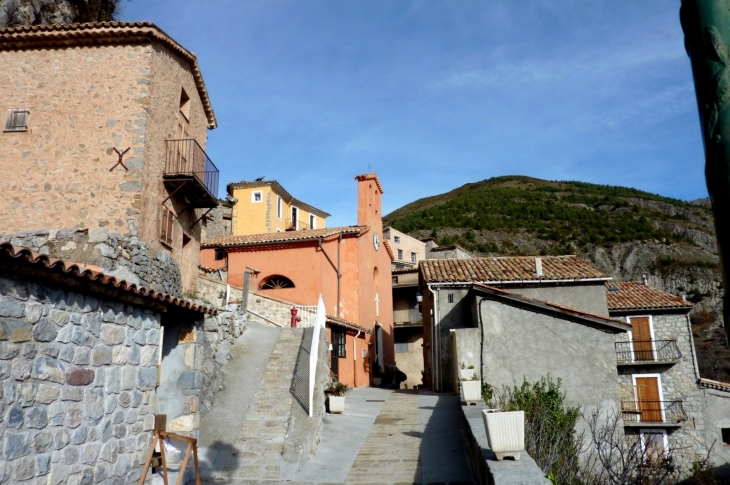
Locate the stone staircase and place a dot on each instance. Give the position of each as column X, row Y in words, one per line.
column 258, row 431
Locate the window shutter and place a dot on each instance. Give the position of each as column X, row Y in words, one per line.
column 17, row 120
column 166, row 226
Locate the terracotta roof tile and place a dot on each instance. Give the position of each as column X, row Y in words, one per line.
column 286, row 237
column 717, row 385
column 508, row 269
column 638, row 296
column 244, row 184
column 103, row 33
column 43, row 264
column 344, row 323
column 371, row 176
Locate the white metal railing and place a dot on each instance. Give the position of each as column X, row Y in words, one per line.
column 319, row 323
column 409, row 315
column 308, row 314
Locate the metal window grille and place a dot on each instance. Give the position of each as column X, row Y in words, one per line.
column 451, row 298
column 17, row 120
column 166, row 229
column 401, row 347
column 339, row 344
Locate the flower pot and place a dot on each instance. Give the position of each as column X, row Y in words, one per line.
column 377, row 381
column 505, row 432
column 468, row 374
column 471, row 391
column 233, row 307
column 337, row 404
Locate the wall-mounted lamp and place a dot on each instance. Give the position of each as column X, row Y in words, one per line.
column 419, row 296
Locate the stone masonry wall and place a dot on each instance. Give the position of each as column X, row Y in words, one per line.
column 678, row 383
column 220, row 333
column 271, row 308
column 219, row 223
column 124, row 257
column 78, row 386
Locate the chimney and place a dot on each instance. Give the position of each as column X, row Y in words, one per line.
column 644, row 279
column 538, row 267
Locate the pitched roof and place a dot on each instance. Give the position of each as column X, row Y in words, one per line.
column 344, row 323
column 553, row 309
column 103, row 33
column 371, row 176
column 716, row 385
column 508, row 269
column 388, row 249
column 286, row 237
column 244, row 184
column 638, row 296
column 40, row 265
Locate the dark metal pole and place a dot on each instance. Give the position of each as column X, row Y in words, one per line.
column 706, row 25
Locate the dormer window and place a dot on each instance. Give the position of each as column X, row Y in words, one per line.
column 17, row 120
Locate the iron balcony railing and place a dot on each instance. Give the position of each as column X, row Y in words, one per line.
column 412, row 315
column 297, row 224
column 187, row 157
column 647, row 351
column 660, row 412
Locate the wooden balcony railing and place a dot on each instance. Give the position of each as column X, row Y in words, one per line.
column 647, row 352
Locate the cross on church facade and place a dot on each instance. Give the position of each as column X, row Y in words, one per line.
column 377, row 305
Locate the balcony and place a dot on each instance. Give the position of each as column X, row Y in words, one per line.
column 296, row 225
column 648, row 352
column 653, row 414
column 408, row 316
column 190, row 173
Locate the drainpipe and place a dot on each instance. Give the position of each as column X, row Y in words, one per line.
column 336, row 268
column 435, row 342
column 481, row 342
column 354, row 358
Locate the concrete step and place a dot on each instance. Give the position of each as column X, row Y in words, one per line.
column 248, row 440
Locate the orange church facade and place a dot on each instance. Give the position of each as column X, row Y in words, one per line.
column 298, row 266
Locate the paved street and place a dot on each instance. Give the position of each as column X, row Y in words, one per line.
column 388, row 437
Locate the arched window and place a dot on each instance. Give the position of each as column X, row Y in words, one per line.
column 276, row 282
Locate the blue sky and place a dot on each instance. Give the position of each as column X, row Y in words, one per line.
column 435, row 94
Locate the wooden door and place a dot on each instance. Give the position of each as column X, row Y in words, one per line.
column 650, row 407
column 641, row 339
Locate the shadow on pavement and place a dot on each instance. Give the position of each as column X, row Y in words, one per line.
column 219, row 461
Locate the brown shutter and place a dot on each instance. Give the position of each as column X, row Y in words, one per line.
column 641, row 339
column 649, row 404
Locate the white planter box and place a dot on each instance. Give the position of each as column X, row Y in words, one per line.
column 505, row 433
column 337, row 404
column 468, row 374
column 233, row 307
column 377, row 381
column 471, row 391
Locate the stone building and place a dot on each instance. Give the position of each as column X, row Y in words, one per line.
column 265, row 206
column 86, row 362
column 408, row 326
column 105, row 132
column 663, row 398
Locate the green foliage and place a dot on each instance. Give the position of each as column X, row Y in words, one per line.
column 567, row 215
column 702, row 474
column 549, row 425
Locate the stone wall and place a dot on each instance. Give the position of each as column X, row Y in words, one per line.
column 78, row 385
column 220, row 222
column 220, row 333
column 271, row 309
column 678, row 383
column 124, row 257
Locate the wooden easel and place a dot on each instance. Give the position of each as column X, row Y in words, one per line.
column 160, row 434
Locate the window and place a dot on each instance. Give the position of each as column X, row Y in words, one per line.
column 277, row 282
column 166, row 228
column 654, row 444
column 312, row 221
column 257, row 196
column 725, row 436
column 451, row 298
column 339, row 343
column 401, row 347
column 395, row 280
column 278, row 207
column 185, row 104
column 17, row 120
column 396, row 239
column 294, row 216
column 413, row 257
column 219, row 254
column 400, row 255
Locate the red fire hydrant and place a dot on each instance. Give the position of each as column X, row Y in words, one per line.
column 294, row 317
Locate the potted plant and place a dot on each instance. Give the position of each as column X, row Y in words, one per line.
column 471, row 389
column 233, row 305
column 336, row 397
column 377, row 373
column 505, row 432
column 466, row 372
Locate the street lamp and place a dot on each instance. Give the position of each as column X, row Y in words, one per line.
column 419, row 296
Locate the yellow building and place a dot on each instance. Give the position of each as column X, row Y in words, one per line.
column 264, row 206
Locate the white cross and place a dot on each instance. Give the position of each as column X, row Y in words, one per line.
column 377, row 305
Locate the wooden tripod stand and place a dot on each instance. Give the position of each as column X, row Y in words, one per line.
column 160, row 434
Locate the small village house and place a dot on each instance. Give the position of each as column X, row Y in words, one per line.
column 104, row 133
column 349, row 266
column 407, row 250
column 408, row 326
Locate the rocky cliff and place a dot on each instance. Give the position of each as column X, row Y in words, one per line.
column 15, row 13
column 624, row 232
